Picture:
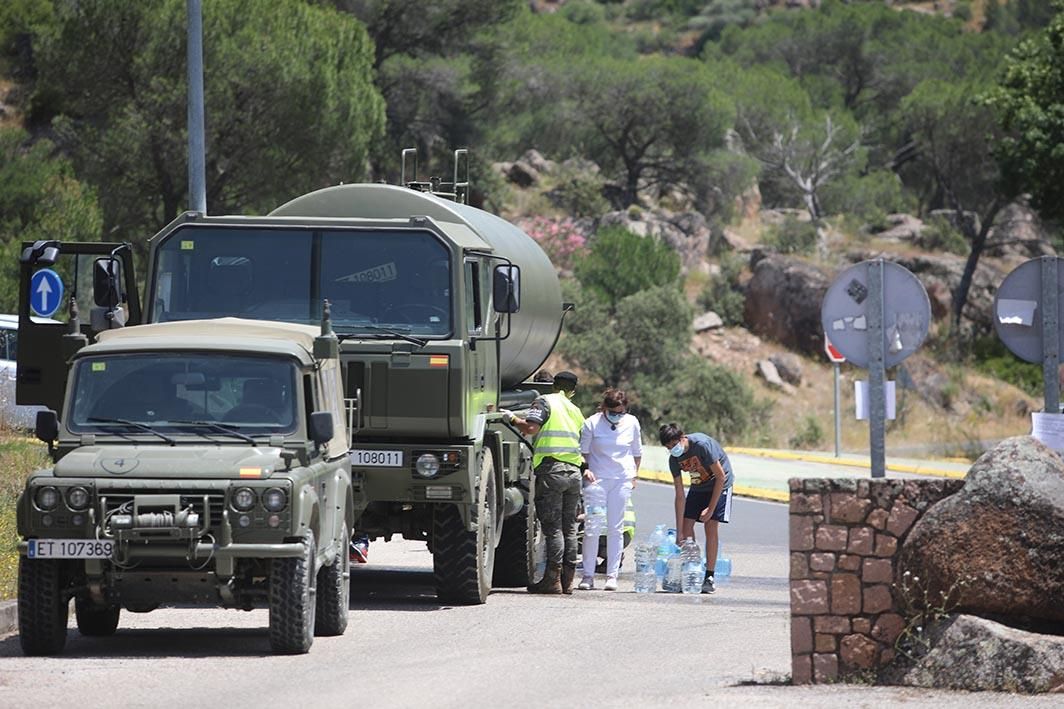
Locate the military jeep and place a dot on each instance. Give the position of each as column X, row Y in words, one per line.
column 197, row 462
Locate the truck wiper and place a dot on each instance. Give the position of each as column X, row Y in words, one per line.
column 218, row 428
column 381, row 330
column 134, row 424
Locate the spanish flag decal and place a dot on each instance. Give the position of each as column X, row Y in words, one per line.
column 251, row 472
column 438, row 360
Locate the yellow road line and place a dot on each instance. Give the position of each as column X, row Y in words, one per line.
column 813, row 458
column 760, row 493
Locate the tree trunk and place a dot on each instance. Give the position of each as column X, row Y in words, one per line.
column 978, row 241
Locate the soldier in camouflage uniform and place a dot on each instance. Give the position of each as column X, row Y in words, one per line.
column 556, row 422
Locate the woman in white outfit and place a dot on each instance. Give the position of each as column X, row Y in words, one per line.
column 611, row 443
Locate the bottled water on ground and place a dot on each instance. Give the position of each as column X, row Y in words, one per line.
column 673, row 581
column 691, row 566
column 594, row 510
column 646, row 580
column 722, row 569
column 660, row 543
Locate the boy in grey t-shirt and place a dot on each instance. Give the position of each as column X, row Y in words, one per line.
column 710, row 495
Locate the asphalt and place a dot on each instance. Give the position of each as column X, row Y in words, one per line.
column 767, row 481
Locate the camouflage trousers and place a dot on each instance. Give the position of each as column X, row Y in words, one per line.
column 557, row 502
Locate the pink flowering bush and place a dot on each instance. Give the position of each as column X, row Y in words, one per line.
column 559, row 238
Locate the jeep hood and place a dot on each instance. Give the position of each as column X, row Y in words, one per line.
column 157, row 461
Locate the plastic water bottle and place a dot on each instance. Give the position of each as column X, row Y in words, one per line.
column 646, row 581
column 659, row 541
column 692, row 568
column 673, row 581
column 722, row 569
column 594, row 511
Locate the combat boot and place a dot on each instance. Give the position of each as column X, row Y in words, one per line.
column 551, row 581
column 568, row 574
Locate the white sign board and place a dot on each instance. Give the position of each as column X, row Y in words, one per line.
column 861, row 397
column 1049, row 429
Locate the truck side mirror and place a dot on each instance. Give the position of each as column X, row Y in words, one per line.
column 321, row 427
column 106, row 291
column 506, row 288
column 47, row 428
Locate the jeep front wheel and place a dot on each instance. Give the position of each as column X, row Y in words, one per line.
column 292, row 602
column 94, row 620
column 42, row 607
column 334, row 591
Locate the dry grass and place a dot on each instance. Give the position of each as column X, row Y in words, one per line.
column 19, row 456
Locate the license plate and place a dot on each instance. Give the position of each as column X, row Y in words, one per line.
column 70, row 549
column 379, row 459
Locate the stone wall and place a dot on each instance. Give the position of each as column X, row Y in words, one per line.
column 845, row 534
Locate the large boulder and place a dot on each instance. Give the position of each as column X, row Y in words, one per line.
column 996, row 548
column 783, row 300
column 975, row 654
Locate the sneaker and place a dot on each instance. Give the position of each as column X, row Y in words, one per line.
column 587, row 583
column 707, row 585
column 611, row 583
column 360, row 551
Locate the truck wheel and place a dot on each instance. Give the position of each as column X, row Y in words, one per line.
column 292, row 603
column 94, row 620
column 464, row 561
column 334, row 591
column 42, row 608
column 515, row 562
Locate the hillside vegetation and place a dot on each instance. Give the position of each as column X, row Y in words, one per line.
column 668, row 154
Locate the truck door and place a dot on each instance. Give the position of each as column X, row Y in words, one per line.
column 59, row 281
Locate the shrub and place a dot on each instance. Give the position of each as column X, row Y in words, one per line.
column 620, row 263
column 792, row 237
column 580, row 194
column 810, row 435
column 940, row 235
column 869, row 198
column 559, row 238
column 723, row 294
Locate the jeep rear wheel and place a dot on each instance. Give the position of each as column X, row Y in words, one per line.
column 94, row 620
column 292, row 602
column 464, row 561
column 42, row 607
column 334, row 591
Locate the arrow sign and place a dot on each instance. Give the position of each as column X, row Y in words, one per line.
column 833, row 354
column 46, row 292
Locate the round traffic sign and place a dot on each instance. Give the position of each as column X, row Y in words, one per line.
column 832, row 352
column 906, row 313
column 1018, row 309
column 46, row 292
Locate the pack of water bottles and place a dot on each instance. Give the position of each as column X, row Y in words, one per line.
column 594, row 510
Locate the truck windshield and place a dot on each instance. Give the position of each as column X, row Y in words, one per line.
column 171, row 392
column 397, row 278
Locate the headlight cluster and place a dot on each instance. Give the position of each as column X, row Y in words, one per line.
column 430, row 464
column 48, row 497
column 273, row 499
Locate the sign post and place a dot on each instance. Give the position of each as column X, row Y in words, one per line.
column 875, row 331
column 837, row 358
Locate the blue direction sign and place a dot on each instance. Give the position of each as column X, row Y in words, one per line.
column 46, row 292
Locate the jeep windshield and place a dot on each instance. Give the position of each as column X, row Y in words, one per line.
column 208, row 394
column 398, row 279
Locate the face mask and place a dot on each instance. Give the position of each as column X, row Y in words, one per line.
column 677, row 450
column 614, row 417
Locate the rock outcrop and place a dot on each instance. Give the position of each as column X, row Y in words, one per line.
column 996, row 548
column 783, row 300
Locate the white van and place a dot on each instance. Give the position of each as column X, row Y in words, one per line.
column 12, row 415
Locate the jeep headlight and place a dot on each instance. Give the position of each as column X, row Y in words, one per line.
column 77, row 498
column 427, row 465
column 274, row 499
column 47, row 498
column 243, row 499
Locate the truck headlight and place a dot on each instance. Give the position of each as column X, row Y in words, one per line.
column 274, row 499
column 427, row 465
column 47, row 498
column 77, row 498
column 243, row 499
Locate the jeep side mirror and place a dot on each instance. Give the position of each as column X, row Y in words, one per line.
column 506, row 288
column 47, row 428
column 321, row 427
column 106, row 291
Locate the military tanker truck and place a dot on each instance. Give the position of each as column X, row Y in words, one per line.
column 443, row 311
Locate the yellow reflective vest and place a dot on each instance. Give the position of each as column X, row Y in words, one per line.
column 559, row 437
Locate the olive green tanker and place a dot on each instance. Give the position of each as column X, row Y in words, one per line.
column 442, row 311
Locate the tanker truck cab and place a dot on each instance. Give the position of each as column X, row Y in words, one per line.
column 201, row 462
column 441, row 311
